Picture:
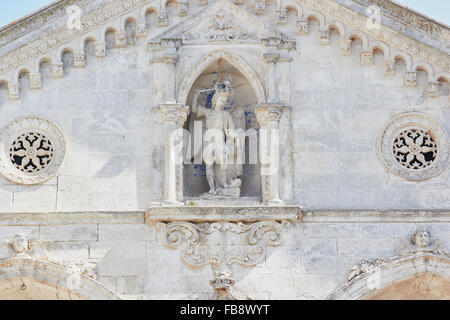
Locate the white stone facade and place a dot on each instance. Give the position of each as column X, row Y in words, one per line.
column 363, row 118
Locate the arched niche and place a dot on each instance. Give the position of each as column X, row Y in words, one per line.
column 414, row 276
column 242, row 109
column 29, row 279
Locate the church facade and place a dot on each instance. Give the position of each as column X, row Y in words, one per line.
column 224, row 149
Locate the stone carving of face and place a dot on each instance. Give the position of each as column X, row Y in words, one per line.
column 422, row 238
column 20, row 243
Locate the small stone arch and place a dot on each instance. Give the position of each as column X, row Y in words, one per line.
column 423, row 66
column 54, row 275
column 207, row 60
column 393, row 272
column 406, row 58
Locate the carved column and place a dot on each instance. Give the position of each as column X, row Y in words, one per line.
column 171, row 61
column 268, row 116
column 174, row 116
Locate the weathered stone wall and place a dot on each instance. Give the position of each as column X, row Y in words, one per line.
column 314, row 259
column 113, row 169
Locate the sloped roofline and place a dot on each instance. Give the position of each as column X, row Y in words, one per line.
column 57, row 3
column 33, row 14
column 442, row 24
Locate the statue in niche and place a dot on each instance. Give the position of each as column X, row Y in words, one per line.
column 223, row 150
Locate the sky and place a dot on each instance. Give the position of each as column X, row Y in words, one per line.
column 13, row 10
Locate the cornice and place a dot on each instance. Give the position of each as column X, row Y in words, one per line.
column 334, row 10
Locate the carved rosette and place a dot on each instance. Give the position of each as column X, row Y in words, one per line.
column 414, row 146
column 282, row 16
column 31, row 150
column 303, row 27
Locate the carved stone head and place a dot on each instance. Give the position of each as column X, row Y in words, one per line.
column 21, row 243
column 223, row 92
column 422, row 238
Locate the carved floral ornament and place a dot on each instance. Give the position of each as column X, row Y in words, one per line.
column 31, row 150
column 414, row 146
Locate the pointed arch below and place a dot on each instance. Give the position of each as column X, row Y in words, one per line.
column 205, row 61
column 393, row 272
column 54, row 275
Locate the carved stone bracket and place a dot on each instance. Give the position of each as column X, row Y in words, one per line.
column 243, row 244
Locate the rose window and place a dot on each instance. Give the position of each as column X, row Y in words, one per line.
column 31, row 152
column 415, row 148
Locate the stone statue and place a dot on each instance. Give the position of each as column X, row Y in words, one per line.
column 223, row 150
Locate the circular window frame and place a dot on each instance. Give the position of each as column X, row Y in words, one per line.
column 15, row 129
column 413, row 120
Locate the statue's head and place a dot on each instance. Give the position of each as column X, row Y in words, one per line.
column 21, row 243
column 223, row 92
column 422, row 238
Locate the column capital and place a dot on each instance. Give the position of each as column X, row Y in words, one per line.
column 171, row 58
column 268, row 112
column 174, row 112
column 271, row 57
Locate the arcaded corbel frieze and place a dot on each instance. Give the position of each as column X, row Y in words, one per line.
column 303, row 27
column 367, row 58
column 260, row 7
column 163, row 19
column 121, row 39
column 35, row 81
column 411, row 78
column 13, row 91
column 78, row 60
column 243, row 244
column 183, row 8
column 57, row 70
column 345, row 47
column 324, row 37
column 100, row 49
column 141, row 30
column 389, row 67
column 433, row 89
column 281, row 16
column 386, row 33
